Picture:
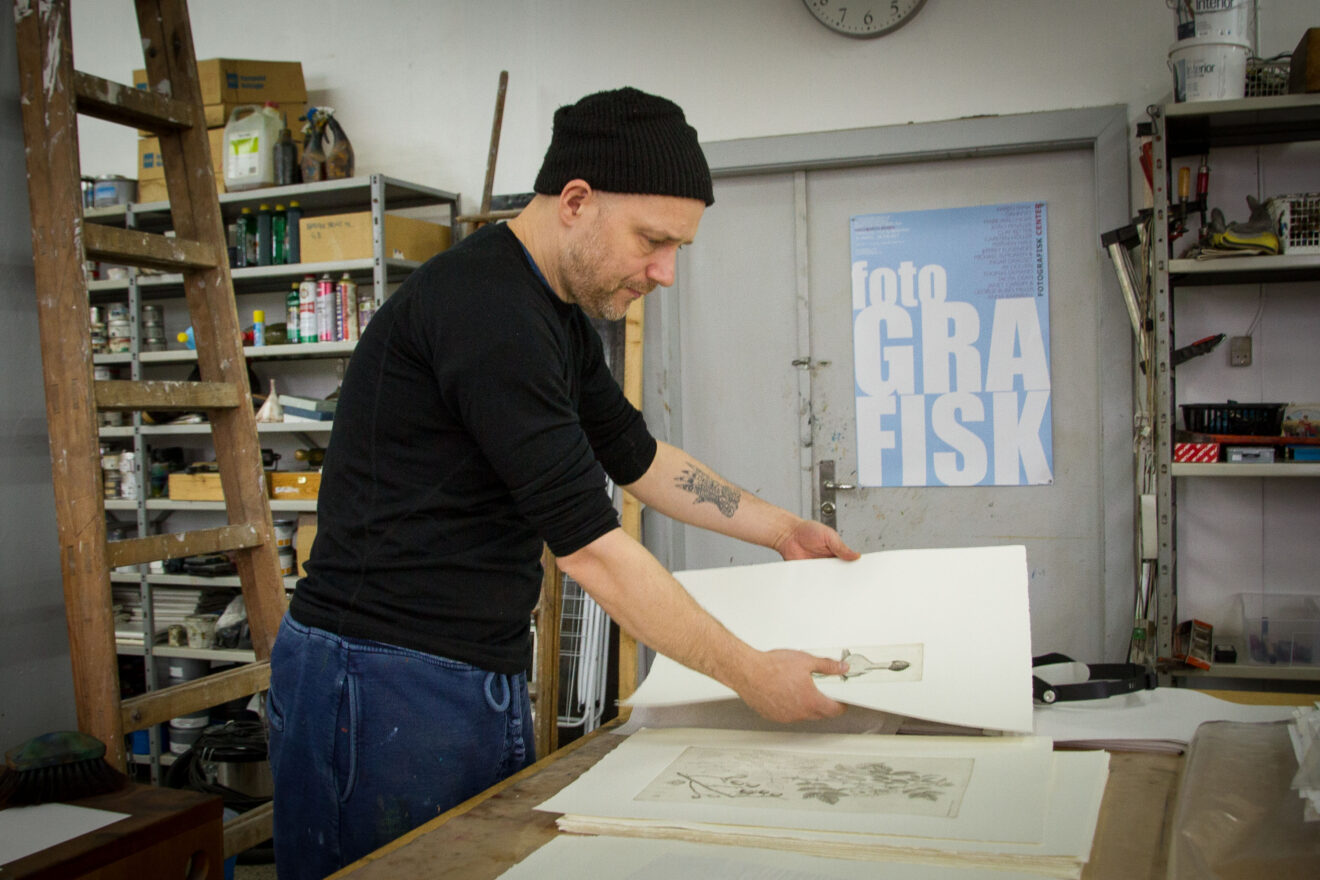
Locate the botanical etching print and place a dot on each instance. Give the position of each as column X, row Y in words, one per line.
column 706, row 488
column 769, row 779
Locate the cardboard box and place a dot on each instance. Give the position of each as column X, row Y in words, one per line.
column 1304, row 70
column 294, row 485
column 348, row 237
column 1198, row 453
column 197, row 487
column 241, row 81
column 303, row 542
column 151, row 165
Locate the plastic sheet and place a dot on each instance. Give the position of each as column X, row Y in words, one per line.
column 1237, row 815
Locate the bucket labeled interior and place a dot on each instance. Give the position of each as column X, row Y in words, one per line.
column 1208, row 69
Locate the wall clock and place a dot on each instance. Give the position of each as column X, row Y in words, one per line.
column 863, row 18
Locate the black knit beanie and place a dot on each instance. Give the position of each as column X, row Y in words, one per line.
column 626, row 141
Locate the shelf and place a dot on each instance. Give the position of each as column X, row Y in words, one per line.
column 1239, row 469
column 1253, row 672
column 228, row 582
column 288, row 351
column 322, row 197
column 254, row 279
column 308, row 506
column 1246, row 270
column 202, row 429
column 1195, row 127
column 227, row 655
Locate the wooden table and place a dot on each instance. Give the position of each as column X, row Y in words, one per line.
column 483, row 837
column 167, row 833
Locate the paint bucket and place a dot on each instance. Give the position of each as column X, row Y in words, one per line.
column 1225, row 19
column 284, row 529
column 113, row 189
column 1208, row 69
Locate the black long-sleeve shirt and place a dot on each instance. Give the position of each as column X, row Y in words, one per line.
column 477, row 418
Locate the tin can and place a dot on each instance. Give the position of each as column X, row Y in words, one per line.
column 347, row 292
column 292, row 314
column 325, row 309
column 288, row 561
column 307, row 310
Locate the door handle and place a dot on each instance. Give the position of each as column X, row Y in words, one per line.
column 826, row 507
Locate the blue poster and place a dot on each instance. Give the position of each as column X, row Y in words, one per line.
column 951, row 341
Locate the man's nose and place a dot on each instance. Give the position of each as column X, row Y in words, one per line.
column 661, row 269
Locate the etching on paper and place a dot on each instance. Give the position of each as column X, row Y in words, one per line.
column 772, row 779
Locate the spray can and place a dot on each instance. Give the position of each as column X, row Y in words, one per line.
column 325, row 308
column 291, row 315
column 347, row 291
column 307, row 310
column 258, row 327
column 366, row 307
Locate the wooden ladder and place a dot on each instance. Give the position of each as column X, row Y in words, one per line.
column 52, row 94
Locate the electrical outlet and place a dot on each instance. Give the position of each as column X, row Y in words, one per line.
column 1239, row 351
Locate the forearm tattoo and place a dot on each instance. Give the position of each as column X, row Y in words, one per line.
column 707, row 488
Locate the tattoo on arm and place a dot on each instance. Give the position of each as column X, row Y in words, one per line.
column 707, row 488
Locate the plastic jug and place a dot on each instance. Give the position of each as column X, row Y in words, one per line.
column 250, row 138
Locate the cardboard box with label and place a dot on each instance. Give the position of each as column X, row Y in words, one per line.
column 236, row 81
column 294, row 485
column 349, row 237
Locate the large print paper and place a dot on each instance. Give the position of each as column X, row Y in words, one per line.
column 959, row 616
column 965, row 788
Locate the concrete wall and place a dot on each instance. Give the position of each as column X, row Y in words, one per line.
column 36, row 685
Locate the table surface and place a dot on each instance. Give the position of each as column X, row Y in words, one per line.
column 485, row 836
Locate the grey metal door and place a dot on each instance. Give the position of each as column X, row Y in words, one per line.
column 756, row 351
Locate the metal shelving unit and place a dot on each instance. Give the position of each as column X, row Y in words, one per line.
column 378, row 273
column 1192, row 129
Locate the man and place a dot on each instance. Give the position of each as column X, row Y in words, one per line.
column 476, row 420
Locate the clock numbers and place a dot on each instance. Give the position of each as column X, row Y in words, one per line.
column 860, row 18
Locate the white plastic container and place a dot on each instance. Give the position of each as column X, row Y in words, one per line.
column 1224, row 19
column 250, row 137
column 1209, row 69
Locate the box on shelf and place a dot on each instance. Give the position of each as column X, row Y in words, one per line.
column 205, row 486
column 1281, row 629
column 1196, row 453
column 306, row 535
column 152, row 167
column 1249, row 454
column 294, row 485
column 1253, row 419
column 335, row 237
column 240, row 81
column 1304, row 72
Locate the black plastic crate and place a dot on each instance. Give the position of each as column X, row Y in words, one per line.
column 1254, row 419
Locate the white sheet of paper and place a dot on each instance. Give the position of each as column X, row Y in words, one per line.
column 1074, row 808
column 1161, row 714
column 967, row 607
column 1004, row 800
column 26, row 830
column 611, row 858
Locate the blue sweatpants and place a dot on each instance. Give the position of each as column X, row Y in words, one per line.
column 368, row 741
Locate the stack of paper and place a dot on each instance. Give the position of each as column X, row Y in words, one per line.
column 1001, row 803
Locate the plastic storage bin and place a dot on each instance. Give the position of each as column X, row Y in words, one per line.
column 1255, row 419
column 1281, row 629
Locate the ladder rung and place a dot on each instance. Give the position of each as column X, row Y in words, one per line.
column 115, row 102
column 249, row 829
column 121, row 395
column 146, row 250
column 176, row 545
column 158, row 706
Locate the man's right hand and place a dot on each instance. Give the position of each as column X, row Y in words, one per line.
column 780, row 686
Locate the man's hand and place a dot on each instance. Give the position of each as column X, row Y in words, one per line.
column 781, row 687
column 813, row 540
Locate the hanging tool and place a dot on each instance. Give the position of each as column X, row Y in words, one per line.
column 1196, row 349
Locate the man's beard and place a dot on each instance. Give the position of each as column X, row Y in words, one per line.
column 583, row 284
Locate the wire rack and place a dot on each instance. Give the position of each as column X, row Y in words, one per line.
column 583, row 655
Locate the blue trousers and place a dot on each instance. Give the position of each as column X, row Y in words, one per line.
column 368, row 741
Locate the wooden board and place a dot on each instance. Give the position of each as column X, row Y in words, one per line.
column 484, row 836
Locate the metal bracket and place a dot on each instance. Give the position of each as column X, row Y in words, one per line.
column 826, row 488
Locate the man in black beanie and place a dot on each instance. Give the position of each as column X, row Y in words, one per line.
column 477, row 419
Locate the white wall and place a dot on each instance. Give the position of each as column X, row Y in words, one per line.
column 413, row 81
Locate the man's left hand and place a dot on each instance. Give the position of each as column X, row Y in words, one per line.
column 814, row 540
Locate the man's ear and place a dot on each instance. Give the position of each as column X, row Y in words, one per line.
column 576, row 196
